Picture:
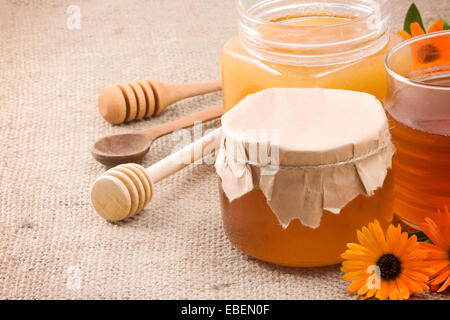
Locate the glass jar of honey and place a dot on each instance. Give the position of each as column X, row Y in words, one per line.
column 418, row 107
column 337, row 44
column 300, row 170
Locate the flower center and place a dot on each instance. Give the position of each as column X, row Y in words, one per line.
column 427, row 53
column 390, row 266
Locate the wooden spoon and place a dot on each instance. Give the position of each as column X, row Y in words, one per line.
column 120, row 103
column 125, row 190
column 132, row 147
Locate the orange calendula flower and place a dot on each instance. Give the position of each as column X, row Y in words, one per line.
column 437, row 229
column 387, row 265
column 433, row 52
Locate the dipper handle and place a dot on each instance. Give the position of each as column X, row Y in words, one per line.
column 166, row 94
column 184, row 157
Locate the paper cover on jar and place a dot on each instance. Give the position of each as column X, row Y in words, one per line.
column 307, row 150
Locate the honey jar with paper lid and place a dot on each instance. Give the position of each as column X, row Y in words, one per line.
column 300, row 170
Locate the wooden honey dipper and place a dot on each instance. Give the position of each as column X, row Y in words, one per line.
column 120, row 103
column 123, row 191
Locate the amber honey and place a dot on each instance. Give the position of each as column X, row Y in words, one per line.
column 420, row 127
column 243, row 73
column 252, row 227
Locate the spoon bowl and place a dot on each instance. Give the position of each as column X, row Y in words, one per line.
column 121, row 148
column 132, row 147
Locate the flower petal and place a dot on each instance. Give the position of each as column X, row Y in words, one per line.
column 445, row 285
column 411, row 284
column 403, row 289
column 383, row 292
column 437, row 25
column 405, row 35
column 416, row 29
column 356, row 284
column 431, row 229
column 417, row 276
column 441, row 276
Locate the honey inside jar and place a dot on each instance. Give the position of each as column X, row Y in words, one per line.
column 305, row 51
column 422, row 139
column 253, row 228
column 418, row 108
column 301, row 170
column 422, row 170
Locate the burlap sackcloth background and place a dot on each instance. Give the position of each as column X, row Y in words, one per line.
column 52, row 244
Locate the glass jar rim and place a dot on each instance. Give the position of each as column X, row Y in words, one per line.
column 368, row 21
column 244, row 11
column 408, row 42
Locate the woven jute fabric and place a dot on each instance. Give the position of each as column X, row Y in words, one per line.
column 52, row 244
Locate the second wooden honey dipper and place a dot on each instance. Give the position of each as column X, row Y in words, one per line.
column 120, row 103
column 123, row 191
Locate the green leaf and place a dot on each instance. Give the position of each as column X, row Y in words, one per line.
column 413, row 15
column 422, row 237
